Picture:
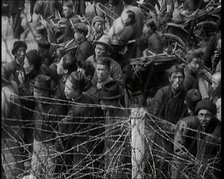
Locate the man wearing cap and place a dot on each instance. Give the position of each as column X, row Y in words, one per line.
column 12, row 134
column 84, row 47
column 97, row 29
column 117, row 153
column 103, row 49
column 19, row 52
column 169, row 107
column 46, row 118
column 198, row 138
column 80, row 125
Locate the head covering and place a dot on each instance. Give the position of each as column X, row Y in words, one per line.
column 104, row 40
column 206, row 104
column 175, row 68
column 97, row 19
column 43, row 82
column 17, row 45
column 81, row 27
column 110, row 90
column 34, row 58
column 192, row 98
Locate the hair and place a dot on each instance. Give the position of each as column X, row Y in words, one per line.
column 196, row 53
column 89, row 69
column 77, row 80
column 69, row 63
column 131, row 15
column 6, row 71
column 127, row 2
column 104, row 61
column 151, row 24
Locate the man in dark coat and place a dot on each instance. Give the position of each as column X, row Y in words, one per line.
column 169, row 107
column 46, row 118
column 15, row 9
column 117, row 150
column 197, row 144
column 19, row 52
column 78, row 126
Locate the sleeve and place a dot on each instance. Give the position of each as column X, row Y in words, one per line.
column 126, row 34
column 179, row 139
column 116, row 73
column 158, row 101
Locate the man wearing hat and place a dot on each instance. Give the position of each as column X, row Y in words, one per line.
column 169, row 107
column 103, row 49
column 45, row 118
column 198, row 138
column 117, row 158
column 12, row 134
column 97, row 29
column 19, row 52
column 84, row 47
column 79, row 123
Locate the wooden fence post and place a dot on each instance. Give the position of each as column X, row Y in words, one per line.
column 137, row 142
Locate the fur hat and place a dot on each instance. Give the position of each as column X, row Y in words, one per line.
column 17, row 45
column 192, row 98
column 110, row 90
column 206, row 104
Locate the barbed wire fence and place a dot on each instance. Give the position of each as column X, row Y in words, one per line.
column 100, row 147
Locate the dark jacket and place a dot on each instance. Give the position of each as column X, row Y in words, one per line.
column 84, row 50
column 16, row 68
column 46, row 118
column 209, row 149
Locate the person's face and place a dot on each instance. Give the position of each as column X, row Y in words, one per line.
column 195, row 65
column 98, row 26
column 78, row 35
column 60, row 69
column 69, row 91
column 28, row 67
column 20, row 55
column 38, row 93
column 176, row 81
column 216, row 79
column 67, row 11
column 219, row 108
column 100, row 50
column 102, row 72
column 204, row 117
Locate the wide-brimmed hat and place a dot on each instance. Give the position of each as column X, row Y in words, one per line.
column 97, row 19
column 17, row 45
column 43, row 82
column 104, row 40
column 110, row 90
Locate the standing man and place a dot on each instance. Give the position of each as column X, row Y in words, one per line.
column 117, row 155
column 169, row 107
column 15, row 9
column 19, row 52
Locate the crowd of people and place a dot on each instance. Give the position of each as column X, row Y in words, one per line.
column 66, row 104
